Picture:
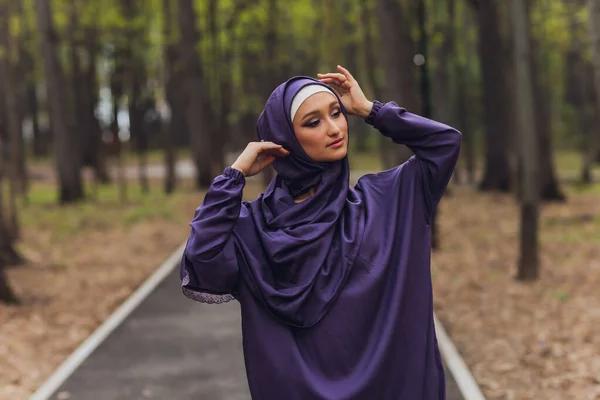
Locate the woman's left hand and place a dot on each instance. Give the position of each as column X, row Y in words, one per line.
column 349, row 90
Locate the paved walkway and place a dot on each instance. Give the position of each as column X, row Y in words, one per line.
column 170, row 348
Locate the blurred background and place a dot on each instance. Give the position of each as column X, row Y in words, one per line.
column 115, row 116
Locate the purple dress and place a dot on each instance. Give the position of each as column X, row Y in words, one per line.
column 337, row 305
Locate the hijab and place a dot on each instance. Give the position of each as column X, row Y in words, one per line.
column 299, row 255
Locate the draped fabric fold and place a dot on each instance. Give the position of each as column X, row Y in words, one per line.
column 299, row 255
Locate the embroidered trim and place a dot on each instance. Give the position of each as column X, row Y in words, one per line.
column 208, row 298
column 203, row 297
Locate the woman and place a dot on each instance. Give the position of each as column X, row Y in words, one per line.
column 334, row 282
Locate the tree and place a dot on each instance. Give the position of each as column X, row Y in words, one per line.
column 496, row 100
column 174, row 107
column 542, row 86
column 526, row 123
column 67, row 156
column 194, row 86
column 139, row 100
column 14, row 150
column 594, row 140
column 397, row 53
column 8, row 254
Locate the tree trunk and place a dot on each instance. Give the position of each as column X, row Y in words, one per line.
column 169, row 58
column 137, row 109
column 426, row 103
column 593, row 145
column 370, row 51
column 495, row 99
column 121, row 179
column 549, row 187
column 523, row 58
column 194, row 85
column 444, row 84
column 218, row 96
column 271, row 68
column 15, row 101
column 27, row 65
column 138, row 98
column 76, row 104
column 93, row 147
column 397, row 52
column 13, row 125
column 39, row 144
column 358, row 130
column 8, row 254
column 7, row 296
column 464, row 122
column 67, row 155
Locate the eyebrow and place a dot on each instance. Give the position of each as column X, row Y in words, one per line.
column 313, row 112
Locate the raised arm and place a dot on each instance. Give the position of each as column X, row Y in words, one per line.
column 209, row 269
column 436, row 146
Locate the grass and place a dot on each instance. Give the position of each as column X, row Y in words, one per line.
column 129, row 158
column 99, row 213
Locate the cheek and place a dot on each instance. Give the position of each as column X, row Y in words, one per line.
column 342, row 124
column 309, row 138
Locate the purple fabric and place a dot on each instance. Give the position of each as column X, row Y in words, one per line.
column 335, row 291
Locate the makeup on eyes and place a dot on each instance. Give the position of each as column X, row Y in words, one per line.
column 315, row 123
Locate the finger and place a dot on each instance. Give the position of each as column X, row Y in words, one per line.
column 333, row 83
column 266, row 161
column 334, row 75
column 283, row 152
column 270, row 152
column 262, row 146
column 346, row 73
column 333, row 86
column 262, row 142
column 342, row 84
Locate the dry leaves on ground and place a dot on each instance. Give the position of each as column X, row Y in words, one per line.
column 522, row 340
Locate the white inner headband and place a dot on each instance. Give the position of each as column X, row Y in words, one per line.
column 304, row 94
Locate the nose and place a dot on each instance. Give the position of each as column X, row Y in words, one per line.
column 333, row 129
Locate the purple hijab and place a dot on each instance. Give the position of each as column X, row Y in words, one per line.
column 299, row 255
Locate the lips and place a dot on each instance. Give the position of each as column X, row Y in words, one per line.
column 335, row 142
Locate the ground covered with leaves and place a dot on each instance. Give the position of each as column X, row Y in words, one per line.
column 522, row 341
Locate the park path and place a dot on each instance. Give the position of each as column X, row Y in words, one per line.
column 171, row 348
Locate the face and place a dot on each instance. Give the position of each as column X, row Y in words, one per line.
column 321, row 128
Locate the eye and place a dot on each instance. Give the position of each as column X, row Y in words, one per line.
column 336, row 114
column 313, row 124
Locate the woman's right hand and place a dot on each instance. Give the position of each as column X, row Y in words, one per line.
column 256, row 156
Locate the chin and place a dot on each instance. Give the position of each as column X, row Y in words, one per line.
column 335, row 155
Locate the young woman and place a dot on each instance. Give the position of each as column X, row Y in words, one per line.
column 334, row 282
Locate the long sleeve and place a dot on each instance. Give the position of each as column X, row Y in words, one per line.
column 436, row 146
column 209, row 270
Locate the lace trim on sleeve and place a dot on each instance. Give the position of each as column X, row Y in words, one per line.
column 204, row 297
